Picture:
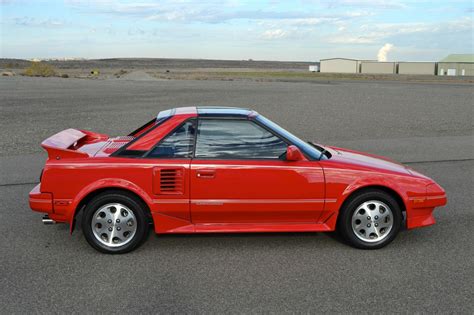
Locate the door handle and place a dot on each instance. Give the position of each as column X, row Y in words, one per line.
column 206, row 173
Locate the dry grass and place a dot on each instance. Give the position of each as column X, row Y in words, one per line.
column 40, row 69
column 301, row 76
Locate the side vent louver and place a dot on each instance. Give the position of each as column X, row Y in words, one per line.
column 171, row 181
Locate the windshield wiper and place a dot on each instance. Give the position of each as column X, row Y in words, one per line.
column 321, row 149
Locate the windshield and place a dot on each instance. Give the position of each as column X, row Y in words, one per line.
column 308, row 150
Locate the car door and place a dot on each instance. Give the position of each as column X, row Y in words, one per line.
column 171, row 159
column 239, row 175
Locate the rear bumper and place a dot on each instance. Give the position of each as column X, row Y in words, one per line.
column 44, row 202
column 40, row 201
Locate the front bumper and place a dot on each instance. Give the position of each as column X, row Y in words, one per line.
column 422, row 207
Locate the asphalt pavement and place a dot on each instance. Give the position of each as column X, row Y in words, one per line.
column 428, row 270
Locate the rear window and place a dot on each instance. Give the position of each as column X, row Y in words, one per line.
column 179, row 144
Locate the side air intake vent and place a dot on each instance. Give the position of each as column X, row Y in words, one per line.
column 170, row 181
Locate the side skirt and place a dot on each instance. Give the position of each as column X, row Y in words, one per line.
column 169, row 225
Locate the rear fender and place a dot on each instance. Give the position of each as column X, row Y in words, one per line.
column 106, row 183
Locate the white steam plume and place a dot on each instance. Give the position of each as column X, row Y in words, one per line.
column 382, row 54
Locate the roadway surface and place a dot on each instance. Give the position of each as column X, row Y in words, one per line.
column 429, row 126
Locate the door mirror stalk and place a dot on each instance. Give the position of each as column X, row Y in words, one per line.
column 293, row 153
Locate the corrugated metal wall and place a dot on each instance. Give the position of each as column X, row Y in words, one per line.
column 338, row 66
column 376, row 67
column 446, row 68
column 427, row 68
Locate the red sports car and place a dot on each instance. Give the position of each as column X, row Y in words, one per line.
column 224, row 170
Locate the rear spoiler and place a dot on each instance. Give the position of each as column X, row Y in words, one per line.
column 64, row 143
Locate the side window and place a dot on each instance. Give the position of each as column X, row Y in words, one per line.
column 178, row 144
column 236, row 139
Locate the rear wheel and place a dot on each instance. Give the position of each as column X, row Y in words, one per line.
column 115, row 223
column 370, row 220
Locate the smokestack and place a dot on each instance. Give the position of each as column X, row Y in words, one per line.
column 382, row 54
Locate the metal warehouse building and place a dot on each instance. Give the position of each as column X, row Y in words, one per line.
column 428, row 68
column 376, row 67
column 339, row 65
column 462, row 64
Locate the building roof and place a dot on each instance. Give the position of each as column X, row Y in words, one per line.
column 415, row 62
column 469, row 58
column 339, row 59
column 375, row 61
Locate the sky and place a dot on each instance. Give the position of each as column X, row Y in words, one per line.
column 232, row 29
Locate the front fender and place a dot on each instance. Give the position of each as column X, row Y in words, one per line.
column 355, row 182
column 408, row 188
column 373, row 181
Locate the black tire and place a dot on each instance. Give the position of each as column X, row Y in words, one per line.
column 352, row 204
column 135, row 205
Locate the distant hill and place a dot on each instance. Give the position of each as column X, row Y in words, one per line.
column 13, row 63
column 160, row 63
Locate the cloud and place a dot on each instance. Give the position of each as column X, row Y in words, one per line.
column 205, row 12
column 274, row 34
column 374, row 4
column 313, row 21
column 307, row 26
column 349, row 39
column 383, row 52
column 219, row 16
column 375, row 33
column 302, row 29
column 134, row 31
column 35, row 22
column 181, row 11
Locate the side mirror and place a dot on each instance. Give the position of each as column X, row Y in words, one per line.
column 294, row 154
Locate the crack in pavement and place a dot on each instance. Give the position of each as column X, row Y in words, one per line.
column 18, row 184
column 436, row 161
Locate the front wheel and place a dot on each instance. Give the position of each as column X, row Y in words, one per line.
column 115, row 223
column 370, row 220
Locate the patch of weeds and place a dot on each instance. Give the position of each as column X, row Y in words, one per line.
column 40, row 69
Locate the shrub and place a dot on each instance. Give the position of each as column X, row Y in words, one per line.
column 39, row 69
column 120, row 73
